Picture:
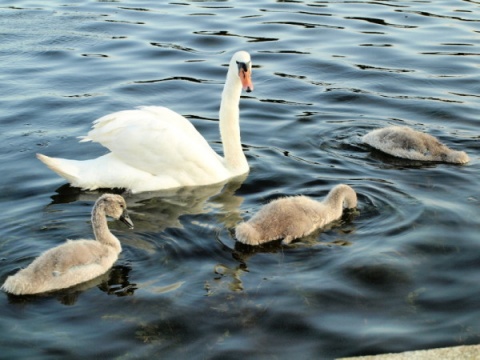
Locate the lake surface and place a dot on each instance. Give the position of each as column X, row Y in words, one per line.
column 401, row 274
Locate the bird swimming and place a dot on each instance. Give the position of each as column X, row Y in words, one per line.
column 74, row 261
column 406, row 143
column 294, row 217
column 154, row 148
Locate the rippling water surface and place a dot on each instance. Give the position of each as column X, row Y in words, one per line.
column 401, row 274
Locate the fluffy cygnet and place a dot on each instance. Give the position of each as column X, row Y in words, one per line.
column 406, row 143
column 294, row 217
column 75, row 261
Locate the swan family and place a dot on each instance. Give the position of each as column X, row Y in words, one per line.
column 75, row 261
column 154, row 148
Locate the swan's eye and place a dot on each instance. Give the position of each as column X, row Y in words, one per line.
column 243, row 66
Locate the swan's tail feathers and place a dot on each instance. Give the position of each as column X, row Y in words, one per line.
column 247, row 234
column 84, row 138
column 63, row 167
column 17, row 285
column 458, row 157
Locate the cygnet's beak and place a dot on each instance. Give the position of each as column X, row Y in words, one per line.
column 126, row 219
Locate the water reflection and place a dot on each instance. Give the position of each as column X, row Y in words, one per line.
column 389, row 280
column 156, row 211
column 233, row 273
column 113, row 282
column 241, row 253
column 380, row 22
column 392, row 162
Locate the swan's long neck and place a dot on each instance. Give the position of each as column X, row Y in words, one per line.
column 100, row 228
column 339, row 196
column 229, row 124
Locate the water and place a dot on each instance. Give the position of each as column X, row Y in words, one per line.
column 400, row 275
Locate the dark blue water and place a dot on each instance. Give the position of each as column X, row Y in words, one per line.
column 400, row 275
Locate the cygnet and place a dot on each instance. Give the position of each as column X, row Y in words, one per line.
column 75, row 261
column 406, row 143
column 294, row 217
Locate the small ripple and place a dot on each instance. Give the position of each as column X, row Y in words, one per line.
column 380, row 22
column 297, row 52
column 466, row 95
column 439, row 16
column 96, row 55
column 83, row 95
column 174, row 78
column 174, row 46
column 370, row 67
column 227, row 33
column 449, row 53
column 134, row 8
column 125, row 22
column 386, row 211
column 302, row 24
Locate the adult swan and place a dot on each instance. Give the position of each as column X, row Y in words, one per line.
column 154, row 148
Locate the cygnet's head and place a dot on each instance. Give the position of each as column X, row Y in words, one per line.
column 241, row 60
column 457, row 157
column 116, row 207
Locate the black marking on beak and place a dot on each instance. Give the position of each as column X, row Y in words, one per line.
column 242, row 65
column 126, row 219
column 244, row 71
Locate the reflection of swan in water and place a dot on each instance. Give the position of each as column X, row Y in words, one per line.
column 404, row 142
column 230, row 275
column 77, row 261
column 295, row 217
column 234, row 273
column 156, row 211
column 114, row 282
column 153, row 148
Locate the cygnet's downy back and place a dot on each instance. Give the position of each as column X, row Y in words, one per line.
column 403, row 142
column 294, row 217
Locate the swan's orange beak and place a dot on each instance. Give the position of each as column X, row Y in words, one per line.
column 245, row 75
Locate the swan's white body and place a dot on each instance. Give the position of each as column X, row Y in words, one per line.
column 294, row 217
column 75, row 261
column 154, row 148
column 406, row 143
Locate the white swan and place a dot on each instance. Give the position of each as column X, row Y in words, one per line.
column 293, row 217
column 154, row 148
column 404, row 142
column 75, row 261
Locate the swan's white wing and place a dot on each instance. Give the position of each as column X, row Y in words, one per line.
column 156, row 140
